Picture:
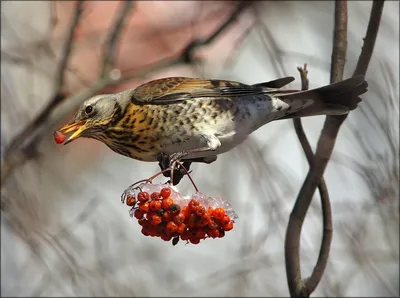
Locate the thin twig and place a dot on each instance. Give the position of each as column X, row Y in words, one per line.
column 19, row 155
column 325, row 144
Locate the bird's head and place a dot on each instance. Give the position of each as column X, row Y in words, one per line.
column 91, row 118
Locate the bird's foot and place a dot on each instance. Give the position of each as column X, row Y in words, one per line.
column 177, row 172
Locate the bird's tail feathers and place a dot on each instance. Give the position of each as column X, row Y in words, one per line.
column 334, row 99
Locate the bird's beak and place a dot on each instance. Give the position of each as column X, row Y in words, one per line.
column 77, row 128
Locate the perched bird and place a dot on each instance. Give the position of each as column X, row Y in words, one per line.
column 193, row 119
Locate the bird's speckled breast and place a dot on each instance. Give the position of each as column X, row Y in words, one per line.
column 146, row 130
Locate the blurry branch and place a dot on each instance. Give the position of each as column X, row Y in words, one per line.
column 326, row 142
column 58, row 93
column 187, row 54
column 115, row 32
column 23, row 146
column 312, row 282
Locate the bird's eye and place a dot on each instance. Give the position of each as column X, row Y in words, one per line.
column 88, row 109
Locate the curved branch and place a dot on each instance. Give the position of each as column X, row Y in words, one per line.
column 369, row 40
column 312, row 282
column 324, row 150
column 326, row 142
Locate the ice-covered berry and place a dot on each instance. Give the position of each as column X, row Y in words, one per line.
column 166, row 214
column 143, row 196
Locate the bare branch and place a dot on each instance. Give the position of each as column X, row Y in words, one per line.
column 58, row 93
column 312, row 282
column 68, row 46
column 369, row 40
column 187, row 54
column 109, row 51
column 339, row 50
column 326, row 143
column 21, row 151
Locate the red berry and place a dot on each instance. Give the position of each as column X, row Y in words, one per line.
column 185, row 211
column 166, row 203
column 144, row 207
column 59, row 137
column 167, row 238
column 185, row 235
column 167, row 216
column 193, row 205
column 142, row 222
column 155, row 196
column 181, row 228
column 201, row 234
column 226, row 219
column 192, row 221
column 138, row 214
column 156, row 220
column 171, row 227
column 143, row 196
column 228, row 226
column 204, row 220
column 165, row 192
column 194, row 240
column 130, row 201
column 219, row 213
column 213, row 233
column 179, row 218
column 201, row 211
column 155, row 205
column 212, row 225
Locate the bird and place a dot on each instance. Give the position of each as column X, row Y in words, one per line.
column 195, row 119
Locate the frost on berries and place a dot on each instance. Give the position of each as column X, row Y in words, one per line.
column 163, row 212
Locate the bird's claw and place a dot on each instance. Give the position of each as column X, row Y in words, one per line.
column 173, row 158
column 169, row 161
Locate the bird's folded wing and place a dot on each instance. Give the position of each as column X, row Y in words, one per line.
column 178, row 89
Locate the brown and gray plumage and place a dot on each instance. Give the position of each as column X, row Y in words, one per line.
column 198, row 119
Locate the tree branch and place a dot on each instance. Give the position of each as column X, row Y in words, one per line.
column 339, row 50
column 109, row 51
column 187, row 54
column 369, row 40
column 325, row 144
column 58, row 93
column 19, row 155
column 312, row 282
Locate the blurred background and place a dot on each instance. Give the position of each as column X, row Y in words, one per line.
column 64, row 231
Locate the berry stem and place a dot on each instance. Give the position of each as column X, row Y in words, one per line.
column 155, row 176
column 188, row 174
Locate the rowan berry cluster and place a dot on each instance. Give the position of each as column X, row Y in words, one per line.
column 191, row 219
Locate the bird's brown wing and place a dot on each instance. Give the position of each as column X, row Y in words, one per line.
column 178, row 89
